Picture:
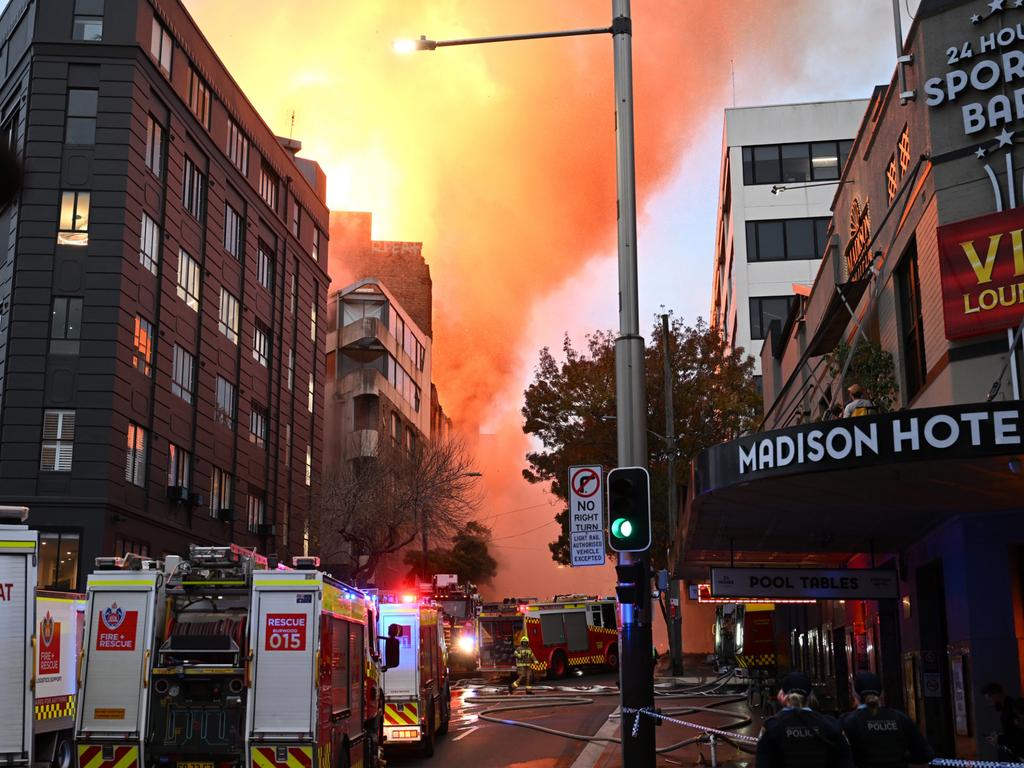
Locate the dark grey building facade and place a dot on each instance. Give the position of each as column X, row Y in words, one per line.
column 161, row 278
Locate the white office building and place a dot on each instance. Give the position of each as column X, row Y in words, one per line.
column 780, row 168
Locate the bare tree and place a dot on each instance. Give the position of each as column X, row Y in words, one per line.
column 378, row 505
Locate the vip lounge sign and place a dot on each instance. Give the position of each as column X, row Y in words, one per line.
column 982, row 267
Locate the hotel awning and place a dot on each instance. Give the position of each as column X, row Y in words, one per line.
column 836, row 317
column 816, row 493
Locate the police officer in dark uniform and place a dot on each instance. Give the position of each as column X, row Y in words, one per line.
column 881, row 737
column 799, row 737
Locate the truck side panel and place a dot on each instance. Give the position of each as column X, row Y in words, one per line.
column 58, row 640
column 17, row 607
column 403, row 682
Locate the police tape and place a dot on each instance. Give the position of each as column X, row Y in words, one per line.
column 943, row 762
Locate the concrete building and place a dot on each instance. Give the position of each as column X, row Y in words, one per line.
column 161, row 279
column 923, row 485
column 780, row 167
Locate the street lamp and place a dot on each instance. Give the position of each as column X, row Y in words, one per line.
column 636, row 673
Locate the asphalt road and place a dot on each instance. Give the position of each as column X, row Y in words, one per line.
column 481, row 744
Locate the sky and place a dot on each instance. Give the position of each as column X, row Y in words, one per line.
column 501, row 160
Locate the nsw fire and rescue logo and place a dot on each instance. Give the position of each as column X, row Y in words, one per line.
column 116, row 631
column 49, row 646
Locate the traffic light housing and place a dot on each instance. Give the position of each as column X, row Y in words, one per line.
column 632, row 580
column 629, row 509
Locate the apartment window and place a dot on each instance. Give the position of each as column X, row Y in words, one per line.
column 80, row 121
column 199, row 98
column 193, row 190
column 65, row 325
column 183, row 374
column 268, row 185
column 912, row 328
column 396, row 428
column 74, row 219
column 123, row 546
column 224, row 413
column 228, row 318
column 154, row 146
column 296, row 217
column 260, row 343
column 179, row 467
column 258, row 425
column 309, row 465
column 287, row 444
column 149, row 243
column 58, row 441
column 786, row 239
column 142, row 352
column 257, row 510
column 766, row 309
column 58, row 561
column 88, row 21
column 161, row 46
column 293, row 296
column 188, row 279
column 265, row 266
column 312, row 320
column 238, row 147
column 233, row 232
column 315, row 253
column 795, row 163
column 291, row 369
column 220, row 491
column 135, row 456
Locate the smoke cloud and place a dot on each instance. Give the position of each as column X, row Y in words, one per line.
column 500, row 159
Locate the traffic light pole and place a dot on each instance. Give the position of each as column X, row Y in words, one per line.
column 636, row 667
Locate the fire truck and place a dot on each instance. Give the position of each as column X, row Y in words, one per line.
column 417, row 692
column 217, row 660
column 460, row 606
column 37, row 710
column 570, row 631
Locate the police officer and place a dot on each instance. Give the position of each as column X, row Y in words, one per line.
column 881, row 737
column 524, row 666
column 799, row 737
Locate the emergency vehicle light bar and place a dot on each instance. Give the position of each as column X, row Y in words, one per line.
column 305, row 562
column 110, row 562
column 13, row 514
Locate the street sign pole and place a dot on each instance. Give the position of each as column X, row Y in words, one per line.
column 636, row 668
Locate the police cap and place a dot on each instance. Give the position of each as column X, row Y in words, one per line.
column 867, row 683
column 796, row 682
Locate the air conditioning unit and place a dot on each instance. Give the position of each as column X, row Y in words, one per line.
column 196, row 499
column 266, row 529
column 177, row 493
column 226, row 515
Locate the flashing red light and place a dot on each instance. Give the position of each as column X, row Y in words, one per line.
column 408, row 598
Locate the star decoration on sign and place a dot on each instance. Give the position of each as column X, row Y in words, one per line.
column 976, row 19
column 980, row 153
column 1019, row 4
column 1005, row 138
column 996, row 5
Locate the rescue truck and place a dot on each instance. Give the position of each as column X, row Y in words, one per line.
column 37, row 710
column 417, row 692
column 460, row 606
column 218, row 661
column 572, row 631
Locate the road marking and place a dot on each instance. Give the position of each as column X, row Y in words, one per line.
column 466, row 733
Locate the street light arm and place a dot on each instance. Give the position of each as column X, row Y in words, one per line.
column 424, row 44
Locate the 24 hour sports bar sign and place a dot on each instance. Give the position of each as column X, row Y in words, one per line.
column 982, row 267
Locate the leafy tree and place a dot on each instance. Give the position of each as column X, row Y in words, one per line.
column 469, row 557
column 570, row 407
column 871, row 367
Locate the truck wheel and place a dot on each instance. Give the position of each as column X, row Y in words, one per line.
column 446, row 712
column 612, row 660
column 64, row 753
column 427, row 748
column 559, row 666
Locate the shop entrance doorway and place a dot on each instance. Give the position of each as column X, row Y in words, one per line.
column 934, row 678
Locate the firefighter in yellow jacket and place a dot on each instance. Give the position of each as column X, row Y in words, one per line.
column 524, row 666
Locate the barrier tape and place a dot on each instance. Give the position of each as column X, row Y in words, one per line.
column 944, row 762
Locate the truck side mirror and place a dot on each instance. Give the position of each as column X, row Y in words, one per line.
column 392, row 653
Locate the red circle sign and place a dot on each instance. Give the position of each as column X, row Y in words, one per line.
column 583, row 479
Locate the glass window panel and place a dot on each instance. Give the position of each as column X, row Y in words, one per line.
column 87, row 28
column 766, row 164
column 845, row 148
column 748, row 165
column 82, row 102
column 796, row 163
column 93, row 7
column 825, row 160
column 820, row 236
column 800, row 239
column 771, row 244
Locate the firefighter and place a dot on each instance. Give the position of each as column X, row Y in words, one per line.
column 799, row 737
column 524, row 666
column 880, row 736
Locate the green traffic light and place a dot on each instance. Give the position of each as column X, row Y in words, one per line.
column 622, row 528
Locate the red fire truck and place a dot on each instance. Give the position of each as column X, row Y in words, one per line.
column 217, row 660
column 460, row 606
column 417, row 692
column 570, row 631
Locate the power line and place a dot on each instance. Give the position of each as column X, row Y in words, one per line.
column 523, row 533
column 519, row 509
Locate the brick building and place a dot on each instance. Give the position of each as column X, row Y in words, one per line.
column 161, row 277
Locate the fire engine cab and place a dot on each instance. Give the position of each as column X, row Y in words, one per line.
column 570, row 631
column 460, row 607
column 417, row 692
column 39, row 684
column 218, row 661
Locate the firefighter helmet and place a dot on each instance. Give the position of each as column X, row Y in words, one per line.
column 525, row 640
